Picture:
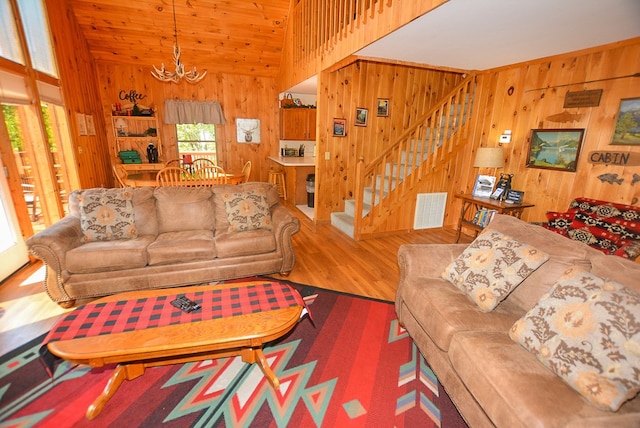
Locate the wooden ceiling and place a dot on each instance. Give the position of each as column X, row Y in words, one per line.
column 232, row 36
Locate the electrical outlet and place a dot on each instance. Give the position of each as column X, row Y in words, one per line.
column 80, row 149
column 327, row 155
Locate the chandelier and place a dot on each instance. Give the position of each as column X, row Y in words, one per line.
column 191, row 76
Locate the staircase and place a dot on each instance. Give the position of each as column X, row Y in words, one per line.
column 393, row 176
column 391, row 180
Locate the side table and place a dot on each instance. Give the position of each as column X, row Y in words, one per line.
column 467, row 214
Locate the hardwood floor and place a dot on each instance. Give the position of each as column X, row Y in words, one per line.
column 325, row 258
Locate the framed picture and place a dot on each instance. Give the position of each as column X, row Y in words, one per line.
column 361, row 116
column 514, row 197
column 556, row 149
column 91, row 127
column 82, row 123
column 484, row 186
column 627, row 128
column 339, row 127
column 383, row 107
column 248, row 131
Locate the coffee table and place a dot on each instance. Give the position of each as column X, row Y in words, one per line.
column 142, row 329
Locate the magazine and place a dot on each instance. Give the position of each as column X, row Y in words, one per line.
column 484, row 186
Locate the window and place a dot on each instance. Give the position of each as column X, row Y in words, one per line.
column 9, row 42
column 197, row 140
column 36, row 29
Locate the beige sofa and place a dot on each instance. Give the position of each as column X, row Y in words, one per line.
column 493, row 380
column 178, row 236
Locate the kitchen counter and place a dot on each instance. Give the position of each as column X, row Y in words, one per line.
column 296, row 169
column 294, row 160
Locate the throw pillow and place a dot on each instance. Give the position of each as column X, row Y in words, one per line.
column 107, row 215
column 247, row 211
column 491, row 267
column 587, row 331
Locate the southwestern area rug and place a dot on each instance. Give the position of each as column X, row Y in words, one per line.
column 351, row 366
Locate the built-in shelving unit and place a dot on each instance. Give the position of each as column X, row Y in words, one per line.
column 136, row 133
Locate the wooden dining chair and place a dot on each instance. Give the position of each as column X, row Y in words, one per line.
column 202, row 162
column 173, row 176
column 210, row 176
column 246, row 171
column 120, row 174
column 173, row 162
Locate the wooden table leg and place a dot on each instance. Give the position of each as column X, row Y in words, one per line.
column 119, row 375
column 251, row 355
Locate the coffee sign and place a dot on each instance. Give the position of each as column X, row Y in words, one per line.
column 615, row 158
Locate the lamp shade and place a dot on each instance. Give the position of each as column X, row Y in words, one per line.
column 489, row 157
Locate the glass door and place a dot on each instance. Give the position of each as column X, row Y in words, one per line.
column 13, row 250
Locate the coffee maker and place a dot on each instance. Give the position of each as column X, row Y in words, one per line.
column 152, row 153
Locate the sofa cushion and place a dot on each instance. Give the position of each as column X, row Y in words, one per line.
column 182, row 247
column 247, row 210
column 107, row 215
column 104, row 256
column 516, row 390
column 527, row 294
column 443, row 311
column 538, row 237
column 232, row 244
column 587, row 331
column 144, row 210
column 491, row 267
column 183, row 209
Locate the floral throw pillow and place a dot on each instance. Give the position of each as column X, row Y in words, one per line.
column 107, row 215
column 491, row 267
column 587, row 331
column 247, row 210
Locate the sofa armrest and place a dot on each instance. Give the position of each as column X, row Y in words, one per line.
column 426, row 260
column 285, row 224
column 51, row 246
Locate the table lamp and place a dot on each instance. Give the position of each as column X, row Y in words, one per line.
column 489, row 157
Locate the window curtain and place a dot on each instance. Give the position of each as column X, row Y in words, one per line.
column 178, row 111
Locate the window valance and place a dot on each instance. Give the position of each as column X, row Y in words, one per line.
column 187, row 111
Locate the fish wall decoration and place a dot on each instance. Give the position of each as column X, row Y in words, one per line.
column 610, row 178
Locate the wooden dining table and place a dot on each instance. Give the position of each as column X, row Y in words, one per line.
column 149, row 179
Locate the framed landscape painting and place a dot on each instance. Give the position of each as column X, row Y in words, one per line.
column 556, row 149
column 339, row 127
column 627, row 127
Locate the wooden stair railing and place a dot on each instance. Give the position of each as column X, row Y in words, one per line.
column 393, row 176
column 319, row 25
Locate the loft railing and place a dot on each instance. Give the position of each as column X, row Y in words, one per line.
column 391, row 178
column 320, row 24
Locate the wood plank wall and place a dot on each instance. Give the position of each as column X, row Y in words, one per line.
column 411, row 92
column 511, row 100
column 240, row 96
column 81, row 95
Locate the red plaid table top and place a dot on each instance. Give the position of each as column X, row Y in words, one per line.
column 136, row 314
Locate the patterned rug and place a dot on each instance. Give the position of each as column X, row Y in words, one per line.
column 352, row 366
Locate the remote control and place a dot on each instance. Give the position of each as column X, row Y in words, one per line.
column 185, row 304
